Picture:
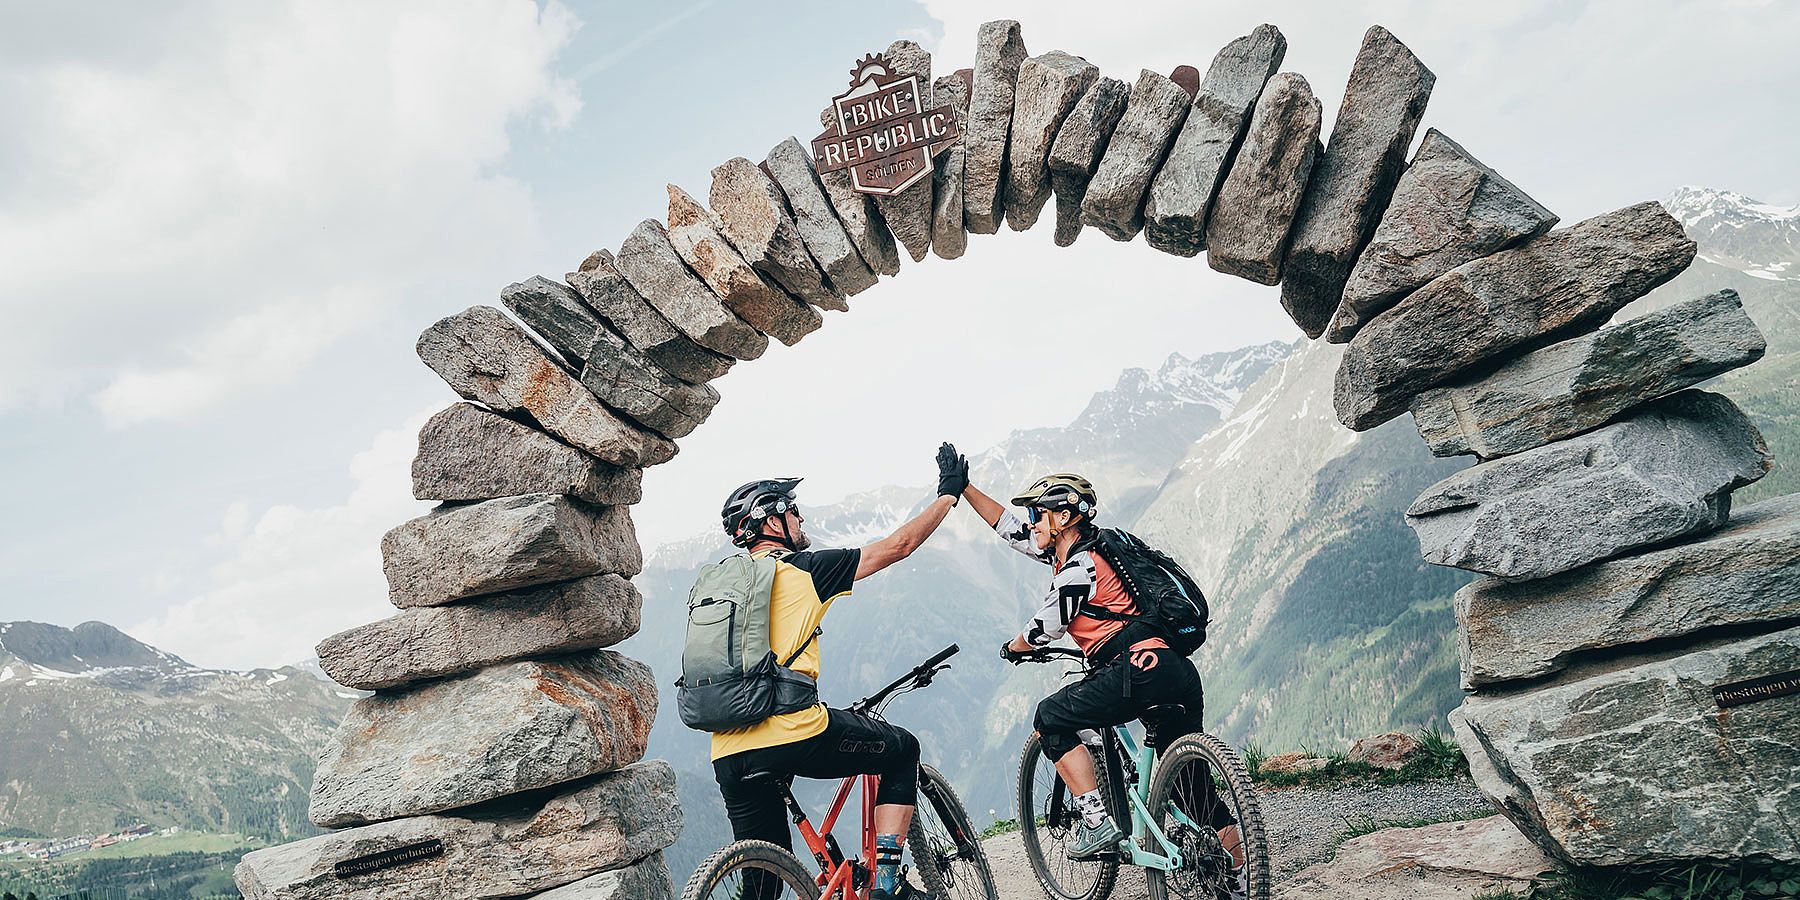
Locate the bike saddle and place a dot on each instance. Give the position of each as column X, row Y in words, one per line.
column 1165, row 710
column 753, row 777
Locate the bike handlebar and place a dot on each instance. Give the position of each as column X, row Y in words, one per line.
column 1046, row 654
column 920, row 675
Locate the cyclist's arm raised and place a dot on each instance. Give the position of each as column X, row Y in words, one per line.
column 953, row 478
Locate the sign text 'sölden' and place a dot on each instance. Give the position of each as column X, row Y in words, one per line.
column 880, row 131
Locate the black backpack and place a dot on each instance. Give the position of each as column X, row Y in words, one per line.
column 1167, row 597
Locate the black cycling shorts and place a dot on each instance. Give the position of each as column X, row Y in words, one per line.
column 1120, row 692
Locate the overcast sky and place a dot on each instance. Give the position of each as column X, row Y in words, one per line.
column 222, row 226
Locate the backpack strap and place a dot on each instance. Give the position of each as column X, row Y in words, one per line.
column 818, row 630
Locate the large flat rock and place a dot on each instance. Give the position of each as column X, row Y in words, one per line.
column 1350, row 187
column 515, row 846
column 467, row 452
column 556, row 312
column 1583, row 383
column 1447, row 861
column 948, row 236
column 697, row 236
column 1665, row 472
column 755, row 218
column 1565, row 283
column 608, row 293
column 1075, row 154
column 650, row 263
column 646, row 879
column 1247, row 230
column 908, row 213
column 999, row 51
column 1639, row 765
column 1448, row 208
column 1114, row 202
column 791, row 168
column 629, row 383
column 500, row 731
column 1182, row 192
column 1047, row 89
column 862, row 220
column 1745, row 573
column 433, row 642
column 484, row 357
column 454, row 552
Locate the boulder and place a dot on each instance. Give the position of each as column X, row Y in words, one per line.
column 1640, row 765
column 1744, row 574
column 1292, row 763
column 948, row 237
column 1581, row 384
column 1047, row 89
column 862, row 221
column 500, row 731
column 1667, row 471
column 484, row 357
column 1566, row 283
column 908, row 213
column 789, row 166
column 754, row 217
column 514, row 846
column 999, row 51
column 628, row 382
column 469, row 453
column 454, row 552
column 607, row 292
column 1390, row 751
column 656, row 271
column 556, row 312
column 1447, row 209
column 646, row 879
column 1352, row 183
column 1181, row 193
column 1247, row 230
column 1483, row 858
column 696, row 234
column 1076, row 152
column 1114, row 202
column 422, row 644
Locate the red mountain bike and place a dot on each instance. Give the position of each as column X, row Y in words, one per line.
column 947, row 855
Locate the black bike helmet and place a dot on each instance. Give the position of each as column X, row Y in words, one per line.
column 751, row 504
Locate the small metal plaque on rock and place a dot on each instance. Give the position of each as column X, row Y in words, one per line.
column 393, row 857
column 881, row 132
column 1767, row 687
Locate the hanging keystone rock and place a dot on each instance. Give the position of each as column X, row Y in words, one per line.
column 856, row 210
column 1351, row 185
column 421, row 644
column 1562, row 284
column 454, row 552
column 1643, row 765
column 696, row 234
column 1247, row 230
column 646, row 879
column 1175, row 210
column 484, row 357
column 628, row 382
column 1745, row 573
column 1667, row 471
column 948, row 238
column 469, row 453
column 503, row 850
column 608, row 293
column 1047, row 89
column 1584, row 383
column 1080, row 142
column 1114, row 202
column 999, row 51
column 556, row 312
column 824, row 236
column 500, row 731
column 1447, row 209
column 908, row 213
column 755, row 219
column 650, row 263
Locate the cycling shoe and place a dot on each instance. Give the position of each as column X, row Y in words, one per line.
column 1093, row 843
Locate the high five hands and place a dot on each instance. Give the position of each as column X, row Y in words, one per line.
column 953, row 471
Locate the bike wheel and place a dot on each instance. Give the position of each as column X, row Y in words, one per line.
column 1047, row 819
column 947, row 853
column 751, row 870
column 1209, row 784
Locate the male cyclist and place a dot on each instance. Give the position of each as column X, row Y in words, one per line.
column 817, row 742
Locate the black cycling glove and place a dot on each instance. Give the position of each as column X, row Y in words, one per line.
column 953, row 471
column 1010, row 655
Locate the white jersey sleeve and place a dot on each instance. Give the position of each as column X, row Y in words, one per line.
column 1017, row 535
column 1070, row 587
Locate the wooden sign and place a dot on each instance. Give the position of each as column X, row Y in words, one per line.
column 880, row 131
column 1767, row 687
column 389, row 859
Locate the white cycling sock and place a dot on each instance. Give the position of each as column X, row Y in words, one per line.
column 1091, row 807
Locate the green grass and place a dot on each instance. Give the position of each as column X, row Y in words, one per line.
column 180, row 842
column 1003, row 826
column 1738, row 881
column 1440, row 760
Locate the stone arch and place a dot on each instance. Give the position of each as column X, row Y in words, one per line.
column 501, row 730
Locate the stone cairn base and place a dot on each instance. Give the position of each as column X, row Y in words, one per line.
column 499, row 756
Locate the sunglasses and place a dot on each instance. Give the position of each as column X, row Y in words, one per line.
column 1033, row 514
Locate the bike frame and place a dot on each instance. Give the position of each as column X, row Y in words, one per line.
column 1119, row 739
column 837, row 875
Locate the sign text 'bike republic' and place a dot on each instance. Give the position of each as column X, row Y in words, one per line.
column 881, row 132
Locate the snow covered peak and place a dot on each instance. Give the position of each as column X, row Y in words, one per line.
column 1758, row 239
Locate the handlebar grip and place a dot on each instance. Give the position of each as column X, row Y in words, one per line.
column 942, row 655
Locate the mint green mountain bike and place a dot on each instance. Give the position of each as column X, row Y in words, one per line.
column 1195, row 826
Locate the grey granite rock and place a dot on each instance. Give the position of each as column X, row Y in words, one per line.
column 484, row 357
column 1076, row 152
column 469, row 453
column 504, row 849
column 1585, row 382
column 628, row 382
column 1352, row 182
column 656, row 271
column 608, row 293
column 999, row 51
column 1665, row 472
column 1638, row 765
column 422, row 644
column 556, row 312
column 696, row 235
column 862, row 220
column 1114, row 202
column 755, row 219
column 1560, row 285
column 908, row 213
column 1182, row 192
column 948, row 237
column 1745, row 573
column 454, row 552
column 1046, row 90
column 792, row 170
column 646, row 879
column 1247, row 230
column 1448, row 208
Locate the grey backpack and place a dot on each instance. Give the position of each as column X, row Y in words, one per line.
column 729, row 674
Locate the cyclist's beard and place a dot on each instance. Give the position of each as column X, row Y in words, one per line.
column 800, row 540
